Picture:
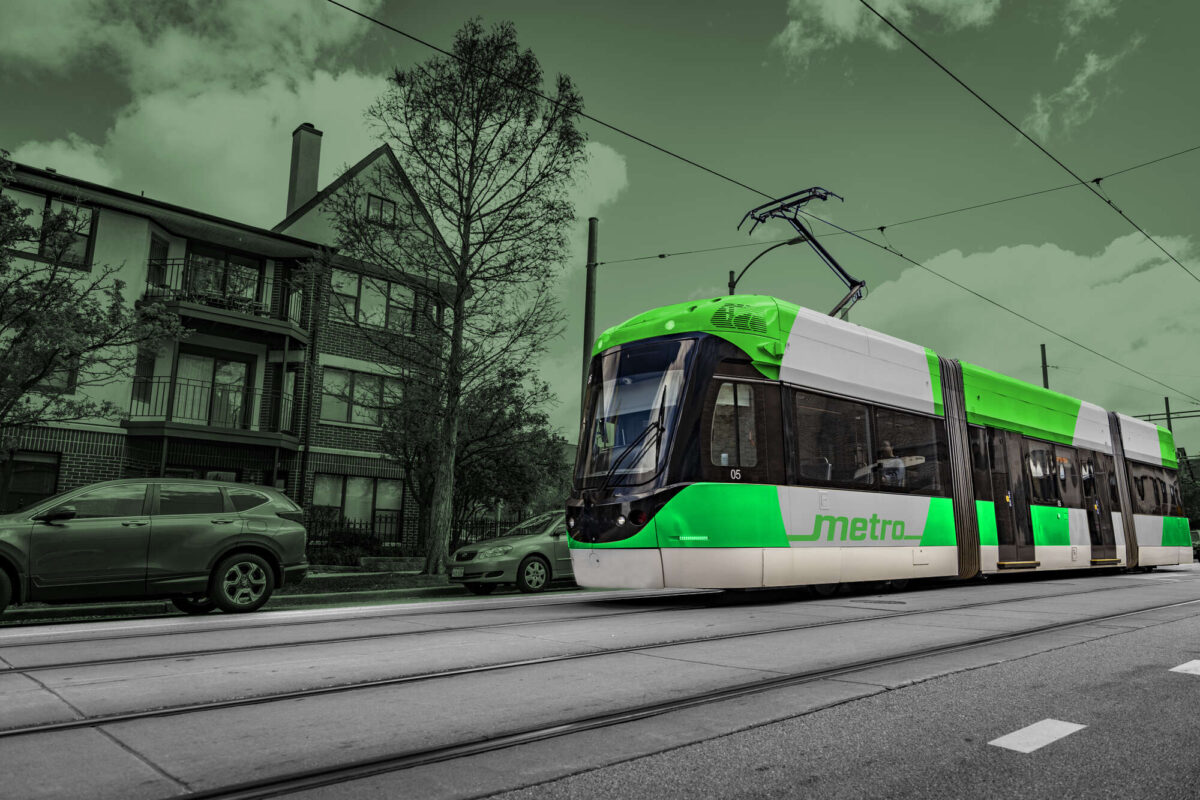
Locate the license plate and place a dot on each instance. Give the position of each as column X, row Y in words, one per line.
column 456, row 572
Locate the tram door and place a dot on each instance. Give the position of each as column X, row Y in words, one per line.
column 1014, row 532
column 1095, row 499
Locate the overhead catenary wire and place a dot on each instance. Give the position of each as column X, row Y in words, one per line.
column 715, row 173
column 1087, row 185
column 924, row 218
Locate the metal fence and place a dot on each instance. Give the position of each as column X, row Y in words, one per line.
column 213, row 404
column 335, row 540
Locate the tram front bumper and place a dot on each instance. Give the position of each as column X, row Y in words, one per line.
column 617, row 568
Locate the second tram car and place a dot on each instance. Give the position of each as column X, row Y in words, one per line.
column 745, row 441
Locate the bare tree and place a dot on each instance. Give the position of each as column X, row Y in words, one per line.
column 492, row 163
column 63, row 329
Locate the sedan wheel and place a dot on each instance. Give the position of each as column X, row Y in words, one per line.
column 533, row 574
column 194, row 605
column 243, row 582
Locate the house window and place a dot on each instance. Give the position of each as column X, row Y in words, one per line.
column 72, row 244
column 372, row 301
column 62, row 379
column 380, row 209
column 27, row 478
column 218, row 277
column 357, row 397
column 377, row 501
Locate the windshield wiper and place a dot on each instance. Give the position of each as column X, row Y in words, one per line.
column 641, row 442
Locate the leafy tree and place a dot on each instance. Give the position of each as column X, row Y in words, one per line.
column 492, row 163
column 63, row 330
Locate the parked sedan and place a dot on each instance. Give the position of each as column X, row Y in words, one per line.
column 530, row 555
column 202, row 544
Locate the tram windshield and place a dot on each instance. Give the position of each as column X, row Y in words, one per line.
column 632, row 398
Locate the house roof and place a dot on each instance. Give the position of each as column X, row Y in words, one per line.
column 338, row 183
column 177, row 220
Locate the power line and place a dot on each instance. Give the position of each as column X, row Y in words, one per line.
column 548, row 99
column 927, row 216
column 893, row 251
column 1088, row 185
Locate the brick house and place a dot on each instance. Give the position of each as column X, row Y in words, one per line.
column 273, row 385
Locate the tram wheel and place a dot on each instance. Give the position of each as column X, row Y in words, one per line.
column 824, row 589
column 533, row 574
column 898, row 585
column 194, row 605
column 481, row 588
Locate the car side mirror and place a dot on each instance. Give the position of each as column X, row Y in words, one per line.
column 56, row 514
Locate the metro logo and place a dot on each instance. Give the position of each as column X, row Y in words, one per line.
column 855, row 528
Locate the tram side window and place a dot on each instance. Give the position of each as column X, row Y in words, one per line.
column 1040, row 466
column 831, row 440
column 1174, row 499
column 734, row 441
column 1155, row 491
column 980, row 475
column 1068, row 476
column 911, row 452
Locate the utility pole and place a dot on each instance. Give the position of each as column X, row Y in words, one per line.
column 589, row 310
column 1167, row 403
column 1045, row 370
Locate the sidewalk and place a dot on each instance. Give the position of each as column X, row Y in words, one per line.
column 317, row 589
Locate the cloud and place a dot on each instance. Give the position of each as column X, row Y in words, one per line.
column 217, row 89
column 1128, row 302
column 72, row 156
column 817, row 25
column 1079, row 13
column 1074, row 104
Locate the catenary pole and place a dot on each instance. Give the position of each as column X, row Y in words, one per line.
column 589, row 309
column 1167, row 403
column 1045, row 370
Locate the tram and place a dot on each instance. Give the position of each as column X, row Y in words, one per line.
column 744, row 441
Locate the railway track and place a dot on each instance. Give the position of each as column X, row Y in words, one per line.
column 306, row 780
column 676, row 600
column 300, row 694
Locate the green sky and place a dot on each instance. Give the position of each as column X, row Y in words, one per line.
column 194, row 104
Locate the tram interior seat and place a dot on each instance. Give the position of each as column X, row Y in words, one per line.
column 816, row 468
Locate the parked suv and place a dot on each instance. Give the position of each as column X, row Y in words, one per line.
column 202, row 544
column 1196, row 544
column 531, row 555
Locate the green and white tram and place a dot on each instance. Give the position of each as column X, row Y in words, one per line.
column 744, row 441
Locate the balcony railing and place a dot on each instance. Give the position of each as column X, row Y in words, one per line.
column 228, row 286
column 214, row 405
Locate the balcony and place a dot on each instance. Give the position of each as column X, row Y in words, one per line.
column 214, row 411
column 230, row 293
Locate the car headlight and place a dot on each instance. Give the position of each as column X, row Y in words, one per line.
column 493, row 552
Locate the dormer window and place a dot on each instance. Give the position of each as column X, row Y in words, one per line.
column 380, row 209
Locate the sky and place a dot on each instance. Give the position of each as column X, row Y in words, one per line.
column 194, row 103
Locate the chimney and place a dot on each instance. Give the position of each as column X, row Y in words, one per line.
column 306, row 157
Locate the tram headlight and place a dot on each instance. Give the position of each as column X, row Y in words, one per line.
column 493, row 552
column 621, row 519
column 571, row 523
column 637, row 517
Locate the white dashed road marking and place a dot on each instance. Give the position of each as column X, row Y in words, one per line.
column 1191, row 668
column 1037, row 735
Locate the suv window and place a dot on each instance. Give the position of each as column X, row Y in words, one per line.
column 245, row 499
column 185, row 499
column 108, row 501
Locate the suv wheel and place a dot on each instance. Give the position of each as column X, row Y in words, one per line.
column 198, row 604
column 242, row 582
column 533, row 574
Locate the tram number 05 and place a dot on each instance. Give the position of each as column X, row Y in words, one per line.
column 735, row 474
